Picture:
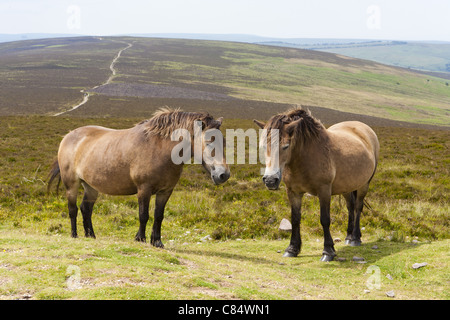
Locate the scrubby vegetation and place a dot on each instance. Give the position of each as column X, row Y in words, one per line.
column 409, row 194
column 221, row 241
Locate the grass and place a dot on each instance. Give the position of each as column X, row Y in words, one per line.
column 222, row 242
column 424, row 56
column 287, row 75
column 58, row 267
column 245, row 71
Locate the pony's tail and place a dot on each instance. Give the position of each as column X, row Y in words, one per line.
column 366, row 204
column 53, row 174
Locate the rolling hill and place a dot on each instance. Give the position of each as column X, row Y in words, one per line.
column 222, row 242
column 46, row 76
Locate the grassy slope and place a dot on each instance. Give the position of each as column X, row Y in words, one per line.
column 423, row 56
column 409, row 195
column 242, row 70
column 44, row 76
column 46, row 267
column 290, row 76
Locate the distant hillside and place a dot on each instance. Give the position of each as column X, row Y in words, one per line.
column 4, row 37
column 240, row 79
column 431, row 56
column 421, row 55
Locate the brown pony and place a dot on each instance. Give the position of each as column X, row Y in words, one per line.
column 125, row 162
column 322, row 162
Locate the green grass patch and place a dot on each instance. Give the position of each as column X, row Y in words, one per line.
column 222, row 242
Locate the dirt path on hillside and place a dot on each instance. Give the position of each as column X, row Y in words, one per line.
column 111, row 77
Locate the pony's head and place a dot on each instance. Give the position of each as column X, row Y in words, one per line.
column 285, row 132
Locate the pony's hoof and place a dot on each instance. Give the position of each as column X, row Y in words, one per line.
column 288, row 254
column 348, row 241
column 89, row 234
column 326, row 258
column 157, row 244
column 355, row 243
column 139, row 239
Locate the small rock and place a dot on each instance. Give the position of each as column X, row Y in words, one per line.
column 340, row 259
column 285, row 225
column 278, row 251
column 415, row 242
column 390, row 294
column 375, row 247
column 366, row 291
column 389, row 277
column 419, row 265
column 358, row 259
column 337, row 240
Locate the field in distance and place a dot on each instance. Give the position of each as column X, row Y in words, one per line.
column 46, row 76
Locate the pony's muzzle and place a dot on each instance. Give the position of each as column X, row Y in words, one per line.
column 220, row 175
column 272, row 181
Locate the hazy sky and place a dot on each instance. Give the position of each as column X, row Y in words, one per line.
column 367, row 19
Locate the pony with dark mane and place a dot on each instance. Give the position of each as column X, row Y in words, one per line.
column 125, row 162
column 322, row 162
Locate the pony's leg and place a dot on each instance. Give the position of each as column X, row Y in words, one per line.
column 160, row 203
column 356, row 234
column 144, row 202
column 72, row 193
column 350, row 199
column 295, row 246
column 90, row 196
column 328, row 253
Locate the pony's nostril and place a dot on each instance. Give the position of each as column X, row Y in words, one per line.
column 222, row 176
column 264, row 178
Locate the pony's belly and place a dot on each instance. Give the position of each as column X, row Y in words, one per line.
column 117, row 191
column 112, row 184
column 349, row 184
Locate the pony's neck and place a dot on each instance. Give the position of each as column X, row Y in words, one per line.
column 312, row 145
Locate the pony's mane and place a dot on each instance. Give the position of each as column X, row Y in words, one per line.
column 308, row 129
column 167, row 120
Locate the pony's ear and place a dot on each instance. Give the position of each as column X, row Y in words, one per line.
column 259, row 123
column 214, row 124
column 290, row 128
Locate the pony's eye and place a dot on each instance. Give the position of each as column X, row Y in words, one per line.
column 285, row 146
